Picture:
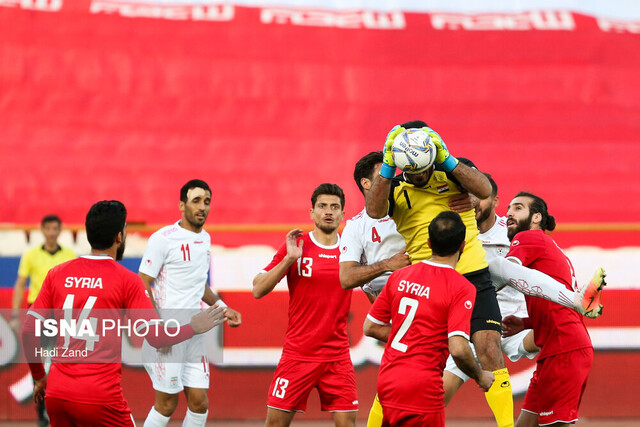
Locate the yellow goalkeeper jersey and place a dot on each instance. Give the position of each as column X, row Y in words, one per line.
column 36, row 263
column 413, row 209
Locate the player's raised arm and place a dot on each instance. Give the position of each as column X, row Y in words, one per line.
column 265, row 281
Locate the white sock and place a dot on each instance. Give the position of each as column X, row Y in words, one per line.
column 529, row 282
column 156, row 419
column 193, row 419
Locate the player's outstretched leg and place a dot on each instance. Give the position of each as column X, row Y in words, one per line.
column 588, row 298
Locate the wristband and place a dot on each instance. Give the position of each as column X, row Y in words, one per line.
column 448, row 165
column 387, row 171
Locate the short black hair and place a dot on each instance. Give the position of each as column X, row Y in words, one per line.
column 414, row 124
column 494, row 186
column 104, row 221
column 365, row 167
column 327, row 189
column 194, row 183
column 50, row 218
column 446, row 233
column 538, row 205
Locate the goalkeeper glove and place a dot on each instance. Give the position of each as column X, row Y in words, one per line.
column 388, row 168
column 443, row 157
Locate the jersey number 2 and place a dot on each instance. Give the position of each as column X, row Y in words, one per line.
column 412, row 304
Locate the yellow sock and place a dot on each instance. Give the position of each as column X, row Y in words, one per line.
column 500, row 398
column 375, row 414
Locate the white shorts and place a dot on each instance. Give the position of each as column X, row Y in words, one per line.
column 512, row 347
column 187, row 365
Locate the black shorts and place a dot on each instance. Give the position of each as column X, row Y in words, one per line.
column 486, row 311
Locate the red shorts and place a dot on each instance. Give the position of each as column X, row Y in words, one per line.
column 294, row 380
column 401, row 418
column 64, row 413
column 557, row 386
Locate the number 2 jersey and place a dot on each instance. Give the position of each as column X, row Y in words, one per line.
column 556, row 329
column 426, row 304
column 101, row 288
column 318, row 306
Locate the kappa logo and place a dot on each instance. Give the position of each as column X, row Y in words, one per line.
column 468, row 304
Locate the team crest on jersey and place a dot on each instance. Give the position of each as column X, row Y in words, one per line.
column 344, row 249
column 442, row 188
column 515, row 243
column 468, row 304
column 148, row 262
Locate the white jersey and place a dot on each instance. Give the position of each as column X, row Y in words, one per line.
column 179, row 261
column 367, row 240
column 496, row 244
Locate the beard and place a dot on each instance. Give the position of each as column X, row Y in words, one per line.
column 120, row 252
column 326, row 228
column 484, row 215
column 520, row 226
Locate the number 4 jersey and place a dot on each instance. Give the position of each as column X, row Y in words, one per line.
column 426, row 303
column 318, row 306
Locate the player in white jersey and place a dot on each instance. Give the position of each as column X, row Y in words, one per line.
column 177, row 259
column 370, row 249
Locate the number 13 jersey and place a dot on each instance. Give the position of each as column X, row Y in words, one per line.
column 318, row 306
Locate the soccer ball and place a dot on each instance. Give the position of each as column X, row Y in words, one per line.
column 413, row 151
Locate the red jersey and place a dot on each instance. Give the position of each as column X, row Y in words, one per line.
column 557, row 329
column 426, row 303
column 103, row 287
column 318, row 306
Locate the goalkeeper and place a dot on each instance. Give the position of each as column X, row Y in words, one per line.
column 413, row 201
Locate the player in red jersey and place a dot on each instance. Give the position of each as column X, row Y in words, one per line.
column 316, row 345
column 83, row 385
column 424, row 311
column 566, row 353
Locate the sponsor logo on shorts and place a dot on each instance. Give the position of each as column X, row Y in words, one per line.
column 355, row 402
column 544, row 414
column 493, row 321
